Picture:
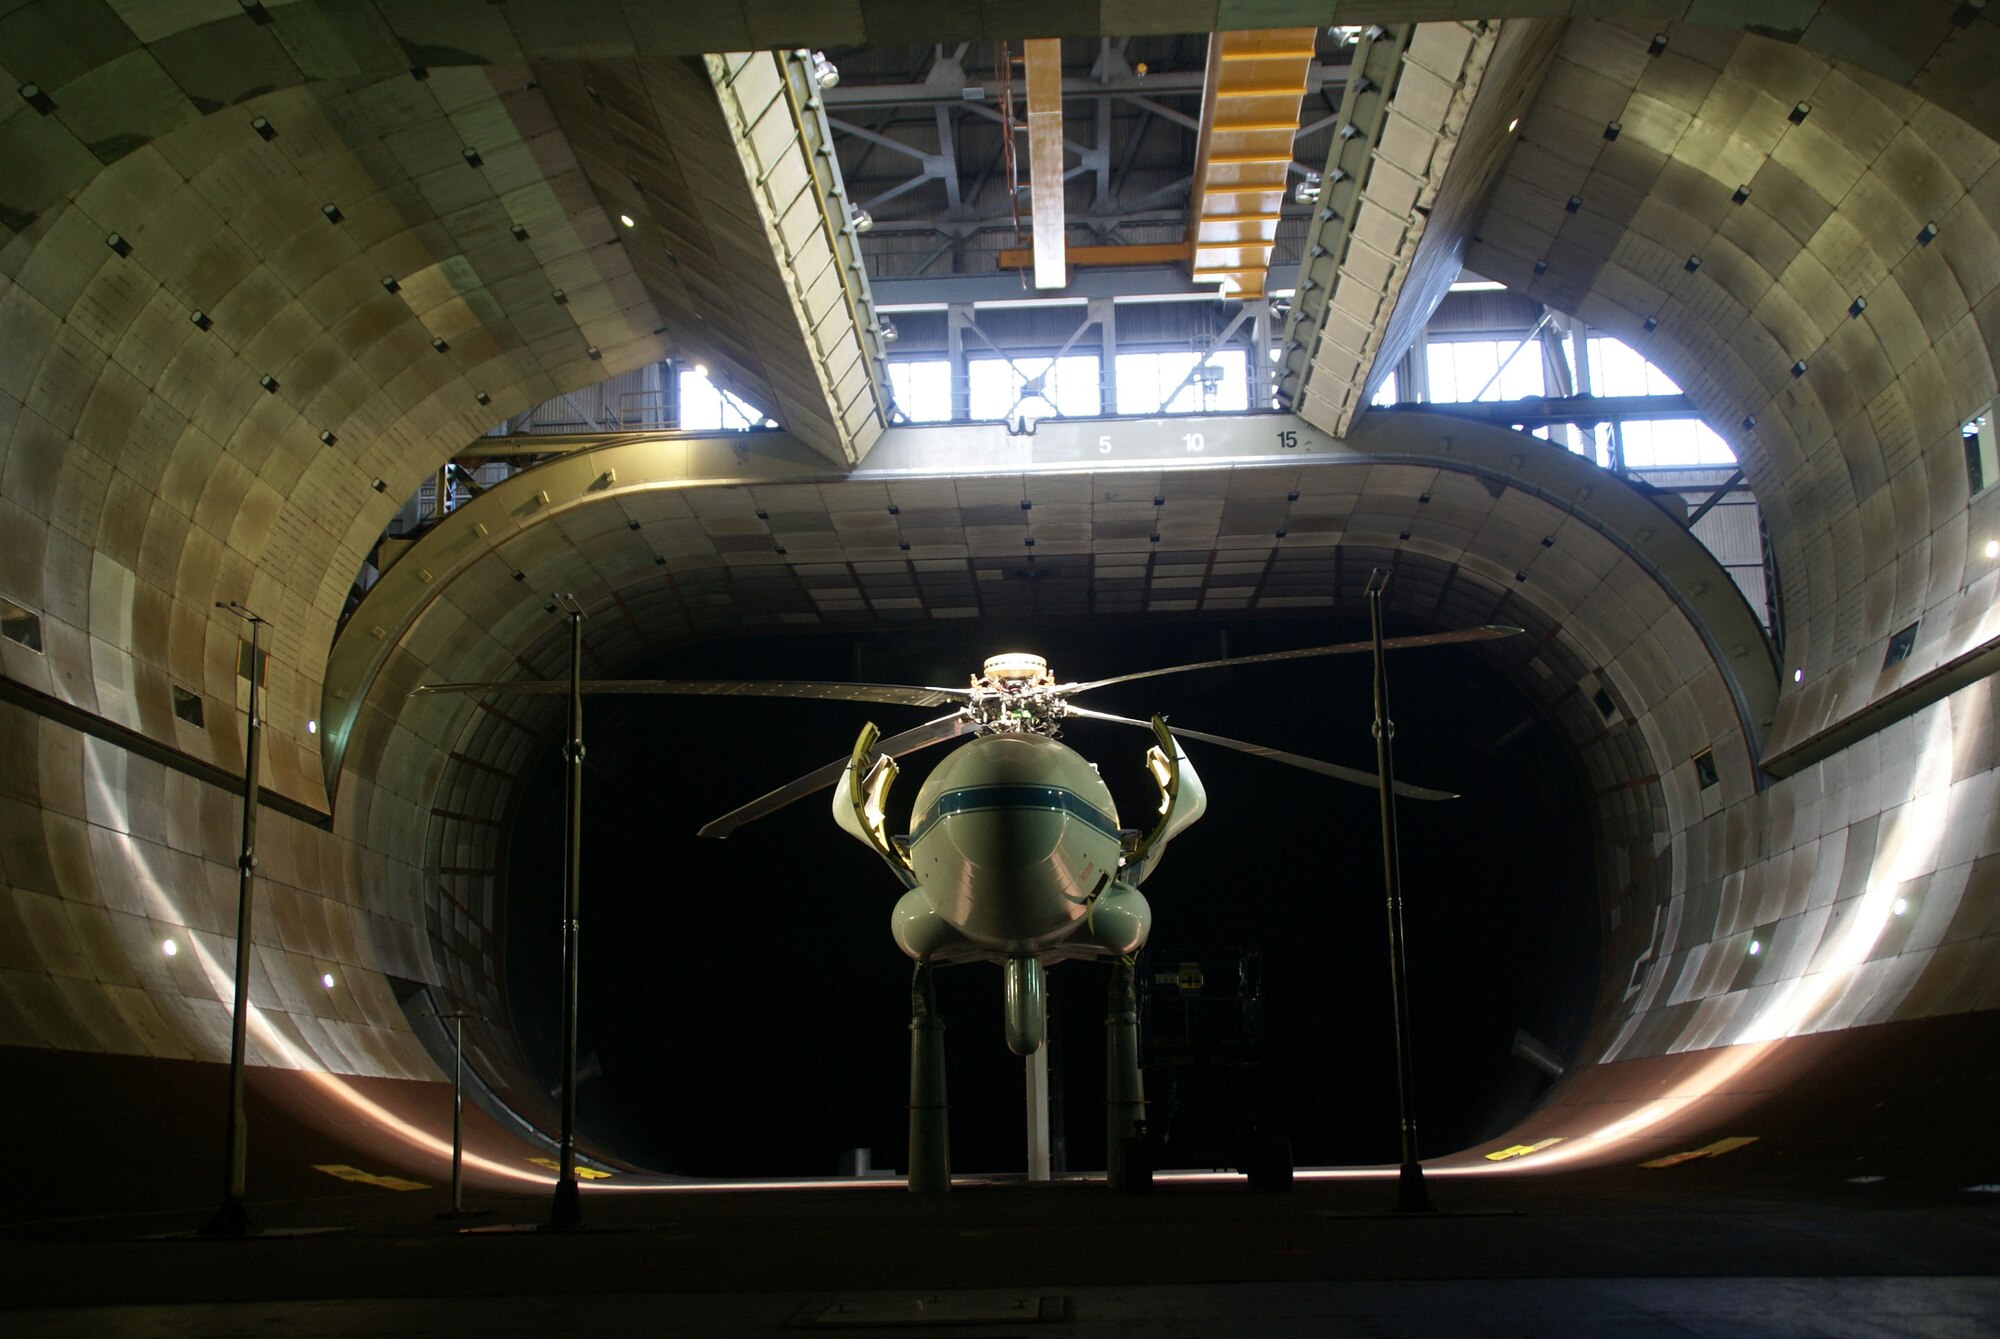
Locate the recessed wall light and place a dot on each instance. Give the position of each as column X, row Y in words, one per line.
column 169, row 947
column 628, row 220
column 1993, row 548
column 312, row 727
column 326, row 979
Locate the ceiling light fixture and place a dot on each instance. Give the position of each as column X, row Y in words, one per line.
column 627, row 220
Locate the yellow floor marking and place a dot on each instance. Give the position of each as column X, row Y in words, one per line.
column 582, row 1173
column 359, row 1177
column 1521, row 1150
column 1714, row 1150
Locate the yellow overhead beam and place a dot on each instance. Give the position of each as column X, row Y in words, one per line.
column 1137, row 253
column 1249, row 118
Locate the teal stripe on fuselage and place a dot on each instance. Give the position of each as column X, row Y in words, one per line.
column 1047, row 799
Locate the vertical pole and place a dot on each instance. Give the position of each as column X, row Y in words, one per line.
column 567, row 1209
column 1124, row 1085
column 458, row 1114
column 232, row 1219
column 1411, row 1197
column 457, row 1019
column 1037, row 1065
column 930, row 1131
column 1259, row 389
column 957, row 317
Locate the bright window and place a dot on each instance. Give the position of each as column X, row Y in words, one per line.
column 1387, row 393
column 1147, row 380
column 1461, row 368
column 706, row 407
column 1067, row 387
column 1665, row 443
column 1616, row 369
column 922, row 388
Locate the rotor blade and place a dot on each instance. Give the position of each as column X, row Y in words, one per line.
column 1334, row 770
column 891, row 694
column 896, row 746
column 1479, row 634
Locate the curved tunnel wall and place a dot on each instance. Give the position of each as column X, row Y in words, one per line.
column 1615, row 596
column 1867, row 878
column 148, row 473
column 1846, row 417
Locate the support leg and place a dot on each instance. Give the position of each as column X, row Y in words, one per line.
column 1037, row 1066
column 930, row 1138
column 1124, row 1087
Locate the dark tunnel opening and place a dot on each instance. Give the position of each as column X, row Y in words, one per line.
column 744, row 1012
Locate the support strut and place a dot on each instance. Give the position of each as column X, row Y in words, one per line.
column 1124, row 1086
column 930, row 1133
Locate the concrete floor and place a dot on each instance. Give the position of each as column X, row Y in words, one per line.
column 1679, row 1251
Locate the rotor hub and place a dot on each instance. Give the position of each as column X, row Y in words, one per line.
column 1016, row 669
column 1011, row 695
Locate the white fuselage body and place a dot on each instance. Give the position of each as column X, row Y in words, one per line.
column 1013, row 837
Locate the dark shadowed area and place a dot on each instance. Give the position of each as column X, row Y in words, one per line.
column 744, row 1010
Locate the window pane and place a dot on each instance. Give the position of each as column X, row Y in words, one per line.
column 922, row 388
column 1461, row 367
column 1617, row 369
column 1069, row 387
column 1673, row 442
column 1222, row 385
column 1386, row 393
column 706, row 407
